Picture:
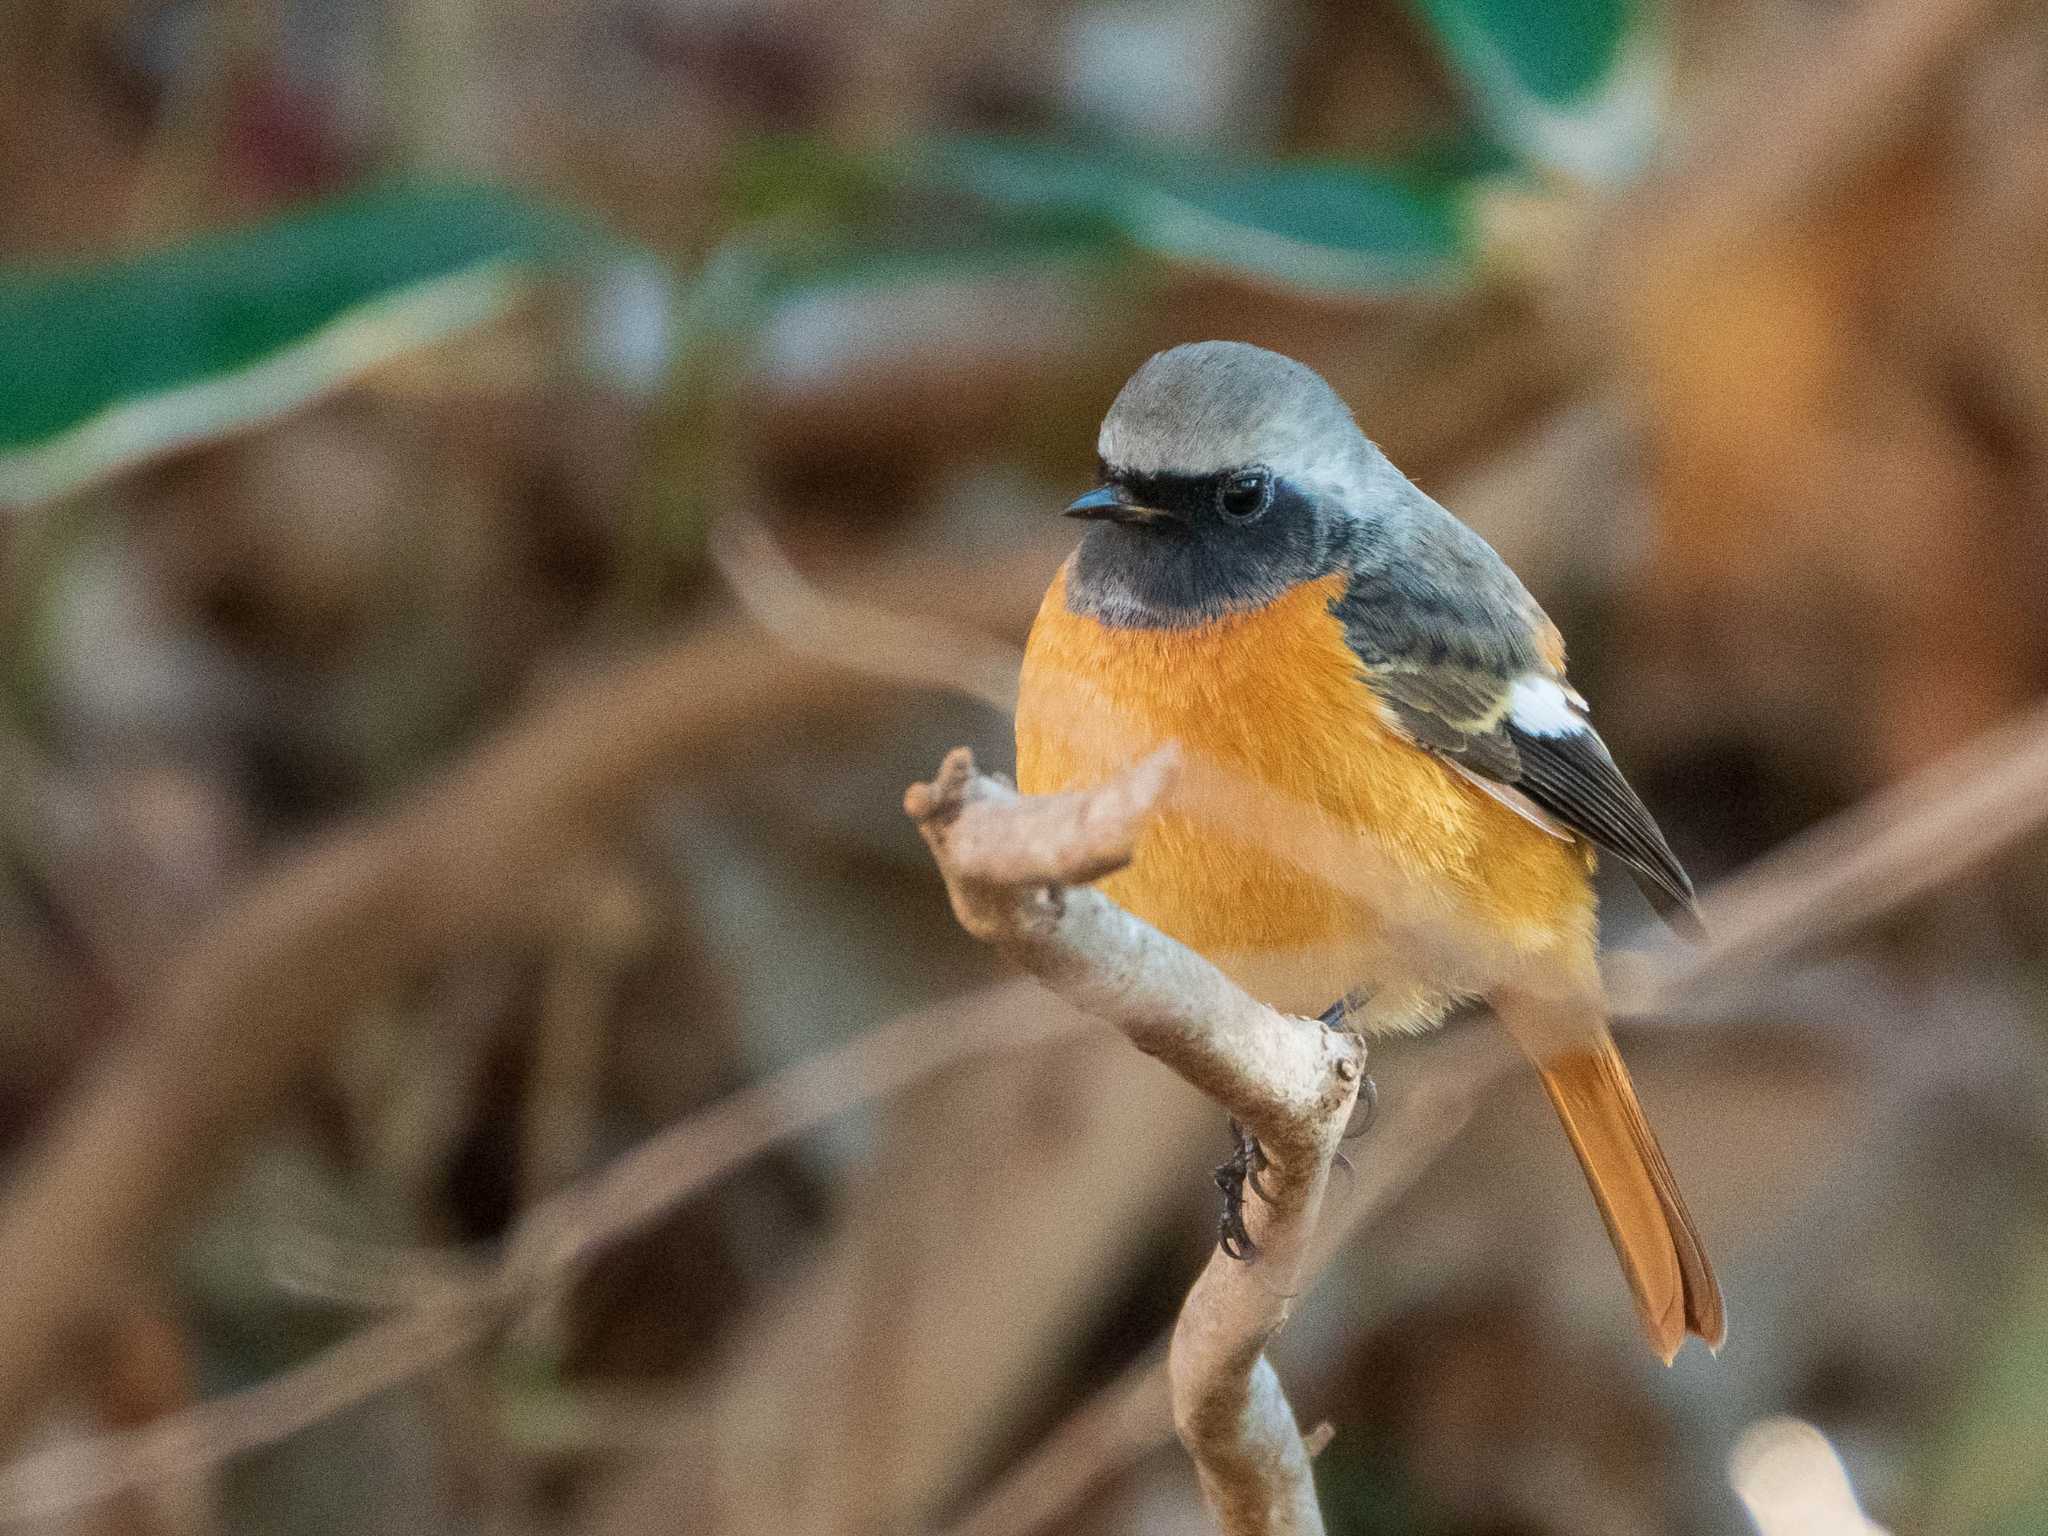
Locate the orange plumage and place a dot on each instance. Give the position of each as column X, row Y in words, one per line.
column 1271, row 709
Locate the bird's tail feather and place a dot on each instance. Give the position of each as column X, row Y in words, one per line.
column 1660, row 1250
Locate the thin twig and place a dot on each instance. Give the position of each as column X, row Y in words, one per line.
column 555, row 1237
column 1291, row 1082
column 1129, row 1418
column 246, row 1007
column 79, row 1472
column 1891, row 849
column 920, row 652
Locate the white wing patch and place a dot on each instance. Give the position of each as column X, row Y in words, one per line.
column 1542, row 706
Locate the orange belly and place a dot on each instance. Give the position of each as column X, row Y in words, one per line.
column 1308, row 848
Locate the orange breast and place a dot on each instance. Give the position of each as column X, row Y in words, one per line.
column 1304, row 830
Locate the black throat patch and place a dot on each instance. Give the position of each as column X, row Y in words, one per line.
column 1194, row 564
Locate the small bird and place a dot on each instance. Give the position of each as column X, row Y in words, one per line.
column 1390, row 796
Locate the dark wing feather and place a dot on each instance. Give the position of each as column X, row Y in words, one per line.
column 1444, row 653
column 1574, row 779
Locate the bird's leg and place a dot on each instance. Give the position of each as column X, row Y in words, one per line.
column 1338, row 1014
column 1243, row 1168
column 1249, row 1160
column 1367, row 1110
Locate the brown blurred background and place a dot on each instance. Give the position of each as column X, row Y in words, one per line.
column 1749, row 380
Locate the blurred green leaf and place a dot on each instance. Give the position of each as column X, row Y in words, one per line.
column 1989, row 1474
column 786, row 177
column 1364, row 1491
column 1309, row 224
column 113, row 363
column 1573, row 85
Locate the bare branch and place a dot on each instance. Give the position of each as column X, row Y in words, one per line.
column 446, row 1307
column 1441, row 1085
column 474, row 858
column 1891, row 849
column 928, row 651
column 1291, row 1081
column 1047, row 839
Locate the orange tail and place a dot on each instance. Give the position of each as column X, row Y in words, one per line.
column 1660, row 1251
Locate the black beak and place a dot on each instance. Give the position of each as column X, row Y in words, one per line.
column 1108, row 504
column 1105, row 501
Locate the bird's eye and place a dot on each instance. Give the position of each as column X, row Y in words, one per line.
column 1244, row 496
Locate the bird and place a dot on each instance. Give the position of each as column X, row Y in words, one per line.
column 1391, row 800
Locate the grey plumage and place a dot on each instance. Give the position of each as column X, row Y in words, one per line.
column 1216, row 405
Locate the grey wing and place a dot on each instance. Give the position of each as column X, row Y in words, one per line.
column 1460, row 664
column 1442, row 653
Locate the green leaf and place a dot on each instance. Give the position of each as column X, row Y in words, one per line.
column 784, row 176
column 114, row 363
column 1316, row 224
column 1574, row 85
column 1987, row 1475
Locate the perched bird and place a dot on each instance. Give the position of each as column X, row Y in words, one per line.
column 1390, row 797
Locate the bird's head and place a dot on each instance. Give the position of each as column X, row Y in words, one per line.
column 1227, row 475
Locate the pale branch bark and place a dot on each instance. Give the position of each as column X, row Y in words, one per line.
column 1442, row 1082
column 1008, row 861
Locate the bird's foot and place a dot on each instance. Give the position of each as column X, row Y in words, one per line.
column 1367, row 1110
column 1338, row 1014
column 1233, row 1178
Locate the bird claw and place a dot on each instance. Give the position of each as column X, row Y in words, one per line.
column 1367, row 1111
column 1233, row 1177
column 1231, row 1235
column 1245, row 1165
